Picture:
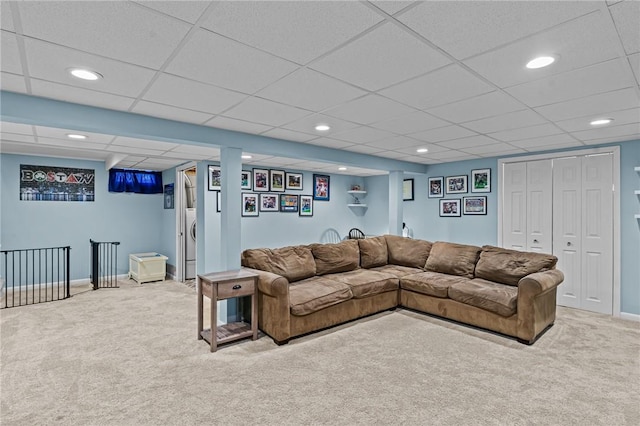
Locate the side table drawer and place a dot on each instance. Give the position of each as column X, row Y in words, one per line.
column 237, row 288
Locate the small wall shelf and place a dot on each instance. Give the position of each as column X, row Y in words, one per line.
column 357, row 205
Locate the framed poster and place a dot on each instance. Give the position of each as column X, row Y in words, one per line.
column 245, row 180
column 288, row 203
column 436, row 187
column 214, row 178
column 269, row 203
column 481, row 180
column 51, row 183
column 168, row 196
column 249, row 204
column 450, row 208
column 321, row 187
column 407, row 190
column 306, row 205
column 474, row 205
column 261, row 180
column 294, row 181
column 456, row 184
column 276, row 181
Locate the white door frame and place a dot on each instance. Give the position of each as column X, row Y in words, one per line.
column 180, row 206
column 615, row 151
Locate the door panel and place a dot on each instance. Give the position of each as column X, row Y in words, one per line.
column 514, row 234
column 539, row 207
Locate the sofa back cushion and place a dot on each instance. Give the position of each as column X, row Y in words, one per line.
column 373, row 252
column 509, row 266
column 453, row 259
column 334, row 258
column 407, row 251
column 295, row 263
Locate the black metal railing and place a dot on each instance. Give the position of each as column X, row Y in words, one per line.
column 104, row 264
column 31, row 276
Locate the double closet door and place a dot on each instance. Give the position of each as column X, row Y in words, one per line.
column 564, row 206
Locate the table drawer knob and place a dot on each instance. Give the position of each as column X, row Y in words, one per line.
column 237, row 287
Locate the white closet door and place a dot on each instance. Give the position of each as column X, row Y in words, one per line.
column 539, row 206
column 514, row 222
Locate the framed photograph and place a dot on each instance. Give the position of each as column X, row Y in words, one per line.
column 249, row 204
column 269, row 203
column 218, row 201
column 436, row 187
column 294, row 181
column 407, row 190
column 306, row 205
column 481, row 180
column 276, row 180
column 474, row 205
column 288, row 203
column 456, row 184
column 214, row 178
column 245, row 180
column 261, row 180
column 321, row 187
column 450, row 208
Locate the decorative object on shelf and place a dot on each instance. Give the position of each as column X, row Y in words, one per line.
column 268, row 203
column 481, row 180
column 294, row 181
column 436, row 185
column 407, row 190
column 261, row 180
column 288, row 203
column 214, row 178
column 245, row 180
column 474, row 205
column 356, row 188
column 168, row 196
column 456, row 184
column 450, row 208
column 321, row 187
column 249, row 204
column 276, row 180
column 306, row 205
column 219, row 201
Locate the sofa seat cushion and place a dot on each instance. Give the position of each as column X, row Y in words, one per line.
column 365, row 282
column 509, row 266
column 407, row 252
column 313, row 294
column 373, row 252
column 397, row 270
column 453, row 259
column 431, row 283
column 498, row 298
column 294, row 263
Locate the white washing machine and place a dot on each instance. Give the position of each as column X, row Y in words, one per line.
column 190, row 243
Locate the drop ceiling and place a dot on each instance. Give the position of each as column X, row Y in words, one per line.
column 389, row 77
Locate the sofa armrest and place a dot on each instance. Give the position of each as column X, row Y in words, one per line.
column 537, row 303
column 539, row 282
column 271, row 284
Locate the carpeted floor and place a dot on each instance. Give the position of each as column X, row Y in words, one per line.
column 129, row 356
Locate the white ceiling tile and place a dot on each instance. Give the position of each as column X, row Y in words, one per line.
column 626, row 116
column 599, row 104
column 189, row 94
column 363, row 149
column 310, row 90
column 443, row 134
column 227, row 123
column 410, row 123
column 584, row 41
column 469, row 142
column 487, row 105
column 608, row 132
column 211, row 58
column 467, row 28
column 196, row 149
column 548, row 142
column 132, row 150
column 53, row 151
column 600, row 78
column 526, row 132
column 512, row 120
column 281, row 161
column 625, row 138
column 288, row 135
column 392, row 7
column 450, row 155
column 369, row 109
column 6, row 17
column 12, row 83
column 496, row 148
column 143, row 143
column 9, row 53
column 461, row 157
column 17, row 137
column 185, row 156
column 51, row 63
column 188, row 11
column 54, row 133
column 83, row 145
column 440, row 87
column 384, row 56
column 395, row 143
column 391, row 154
column 363, row 134
column 265, row 112
column 170, row 112
column 9, row 127
column 79, row 95
column 431, row 147
column 307, row 125
column 626, row 16
column 562, row 145
column 299, row 31
column 329, row 143
column 634, row 60
column 115, row 29
column 152, row 165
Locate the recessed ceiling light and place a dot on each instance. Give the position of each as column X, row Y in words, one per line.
column 246, row 157
column 342, row 169
column 322, row 127
column 422, row 150
column 85, row 74
column 540, row 62
column 75, row 136
column 601, row 121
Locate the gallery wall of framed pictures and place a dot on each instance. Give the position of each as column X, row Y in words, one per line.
column 478, row 181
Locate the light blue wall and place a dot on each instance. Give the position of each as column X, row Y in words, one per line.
column 135, row 220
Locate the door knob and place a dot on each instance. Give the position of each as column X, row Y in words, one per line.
column 569, row 244
column 535, row 241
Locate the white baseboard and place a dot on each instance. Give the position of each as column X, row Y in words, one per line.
column 631, row 317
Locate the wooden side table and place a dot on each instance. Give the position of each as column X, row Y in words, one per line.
column 226, row 285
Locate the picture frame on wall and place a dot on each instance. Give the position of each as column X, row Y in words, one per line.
column 321, row 187
column 294, row 181
column 245, row 180
column 450, row 208
column 456, row 184
column 249, row 204
column 276, row 180
column 481, row 180
column 306, row 205
column 474, row 205
column 218, row 201
column 214, row 178
column 260, row 180
column 407, row 190
column 436, row 187
column 288, row 203
column 269, row 203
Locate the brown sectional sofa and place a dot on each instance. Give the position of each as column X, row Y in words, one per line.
column 302, row 289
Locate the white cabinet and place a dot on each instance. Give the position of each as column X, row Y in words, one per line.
column 145, row 267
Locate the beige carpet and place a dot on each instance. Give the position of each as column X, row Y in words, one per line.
column 129, row 356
